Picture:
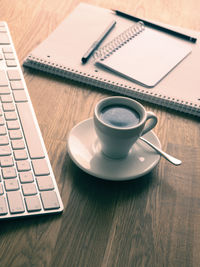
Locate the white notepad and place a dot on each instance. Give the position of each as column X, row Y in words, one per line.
column 147, row 57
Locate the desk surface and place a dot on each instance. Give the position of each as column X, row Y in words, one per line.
column 151, row 221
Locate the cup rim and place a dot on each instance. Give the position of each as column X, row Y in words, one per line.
column 105, row 101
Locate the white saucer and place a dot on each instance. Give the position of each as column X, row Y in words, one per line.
column 85, row 150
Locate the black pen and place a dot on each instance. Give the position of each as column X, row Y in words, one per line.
column 157, row 27
column 97, row 42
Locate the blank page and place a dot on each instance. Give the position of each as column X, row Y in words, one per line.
column 148, row 57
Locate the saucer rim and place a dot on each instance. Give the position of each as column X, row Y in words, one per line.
column 90, row 172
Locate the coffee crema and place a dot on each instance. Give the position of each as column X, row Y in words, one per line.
column 120, row 116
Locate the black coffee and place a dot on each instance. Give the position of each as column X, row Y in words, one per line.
column 120, row 116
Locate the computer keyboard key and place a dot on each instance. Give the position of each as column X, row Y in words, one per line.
column 30, row 131
column 8, row 107
column 11, row 63
column 20, row 154
column 13, row 125
column 4, row 39
column 11, row 184
column 12, row 115
column 1, row 189
column 26, row 177
column 2, row 29
column 15, row 134
column 18, row 144
column 3, row 207
column 3, row 78
column 4, row 90
column 6, row 161
column 2, row 122
column 7, row 49
column 45, row 183
column 5, row 150
column 20, row 96
column 2, row 130
column 40, row 167
column 14, row 74
column 23, row 165
column 16, row 85
column 6, row 99
column 15, row 202
column 9, row 55
column 9, row 172
column 49, row 200
column 33, row 203
column 29, row 189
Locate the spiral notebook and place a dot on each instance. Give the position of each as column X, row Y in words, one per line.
column 177, row 87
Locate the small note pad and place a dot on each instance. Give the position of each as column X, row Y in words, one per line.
column 147, row 57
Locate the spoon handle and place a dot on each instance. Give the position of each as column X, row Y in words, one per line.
column 162, row 153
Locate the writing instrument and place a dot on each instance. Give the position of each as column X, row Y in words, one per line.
column 94, row 46
column 157, row 27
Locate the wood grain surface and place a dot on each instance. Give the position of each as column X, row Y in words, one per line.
column 151, row 221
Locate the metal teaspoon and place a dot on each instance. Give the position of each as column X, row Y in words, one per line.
column 162, row 153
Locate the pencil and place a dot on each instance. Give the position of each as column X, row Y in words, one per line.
column 157, row 27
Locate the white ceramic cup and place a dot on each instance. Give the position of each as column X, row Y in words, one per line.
column 116, row 141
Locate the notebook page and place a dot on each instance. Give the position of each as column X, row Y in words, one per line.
column 148, row 57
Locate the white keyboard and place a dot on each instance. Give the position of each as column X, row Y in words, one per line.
column 27, row 183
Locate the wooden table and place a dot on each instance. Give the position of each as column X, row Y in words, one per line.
column 151, row 221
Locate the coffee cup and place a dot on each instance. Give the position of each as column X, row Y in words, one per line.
column 119, row 122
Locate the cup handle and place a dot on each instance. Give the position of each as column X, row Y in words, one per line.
column 152, row 122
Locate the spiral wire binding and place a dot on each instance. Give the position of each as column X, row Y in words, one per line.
column 131, row 91
column 123, row 38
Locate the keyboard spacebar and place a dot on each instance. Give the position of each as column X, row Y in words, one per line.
column 30, row 131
